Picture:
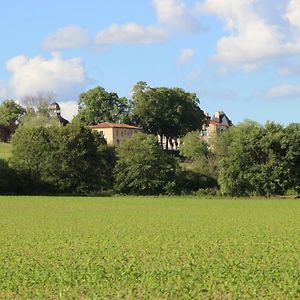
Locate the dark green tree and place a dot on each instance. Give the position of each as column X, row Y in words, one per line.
column 8, row 179
column 97, row 105
column 256, row 160
column 59, row 159
column 143, row 168
column 30, row 153
column 167, row 112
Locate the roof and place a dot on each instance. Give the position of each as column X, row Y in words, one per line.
column 220, row 118
column 113, row 125
column 62, row 120
column 217, row 123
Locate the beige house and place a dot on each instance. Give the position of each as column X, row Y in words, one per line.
column 115, row 133
column 218, row 123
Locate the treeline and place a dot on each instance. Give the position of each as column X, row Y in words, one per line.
column 246, row 160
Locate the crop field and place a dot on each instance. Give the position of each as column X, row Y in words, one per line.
column 5, row 150
column 149, row 248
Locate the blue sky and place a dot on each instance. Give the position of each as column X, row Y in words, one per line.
column 240, row 56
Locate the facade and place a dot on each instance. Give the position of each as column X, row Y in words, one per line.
column 115, row 133
column 218, row 123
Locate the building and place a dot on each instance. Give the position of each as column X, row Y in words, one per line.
column 54, row 111
column 115, row 133
column 216, row 124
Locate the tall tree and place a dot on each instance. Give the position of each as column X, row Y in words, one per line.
column 97, row 105
column 167, row 112
column 143, row 167
column 11, row 114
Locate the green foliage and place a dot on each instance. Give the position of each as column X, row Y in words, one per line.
column 148, row 248
column 200, row 169
column 189, row 180
column 193, row 146
column 59, row 159
column 167, row 112
column 8, row 178
column 5, row 150
column 257, row 160
column 11, row 114
column 143, row 167
column 97, row 105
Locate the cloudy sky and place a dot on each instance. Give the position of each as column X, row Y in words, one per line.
column 240, row 56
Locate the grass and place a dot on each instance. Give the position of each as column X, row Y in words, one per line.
column 5, row 150
column 147, row 247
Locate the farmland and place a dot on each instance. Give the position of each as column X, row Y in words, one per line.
column 149, row 247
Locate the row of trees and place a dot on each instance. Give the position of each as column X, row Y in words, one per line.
column 247, row 159
column 75, row 160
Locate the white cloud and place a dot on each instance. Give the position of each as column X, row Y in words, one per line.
column 30, row 76
column 131, row 33
column 293, row 13
column 185, row 55
column 173, row 16
column 255, row 31
column 68, row 37
column 251, row 38
column 69, row 109
column 176, row 14
column 284, row 91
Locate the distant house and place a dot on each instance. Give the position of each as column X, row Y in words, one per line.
column 115, row 133
column 216, row 124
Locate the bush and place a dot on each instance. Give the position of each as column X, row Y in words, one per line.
column 189, row 181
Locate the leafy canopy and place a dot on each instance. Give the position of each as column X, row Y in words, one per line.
column 97, row 105
column 169, row 112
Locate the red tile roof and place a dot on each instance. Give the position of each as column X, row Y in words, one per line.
column 113, row 125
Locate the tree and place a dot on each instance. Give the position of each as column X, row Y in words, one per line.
column 193, row 146
column 167, row 112
column 97, row 105
column 256, row 160
column 30, row 151
column 11, row 115
column 291, row 143
column 59, row 159
column 143, row 168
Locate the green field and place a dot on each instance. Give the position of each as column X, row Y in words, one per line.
column 147, row 247
column 5, row 150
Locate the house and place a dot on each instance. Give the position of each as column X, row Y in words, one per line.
column 216, row 124
column 115, row 133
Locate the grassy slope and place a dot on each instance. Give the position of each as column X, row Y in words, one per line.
column 180, row 248
column 5, row 150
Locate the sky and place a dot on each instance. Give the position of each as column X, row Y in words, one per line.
column 239, row 56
